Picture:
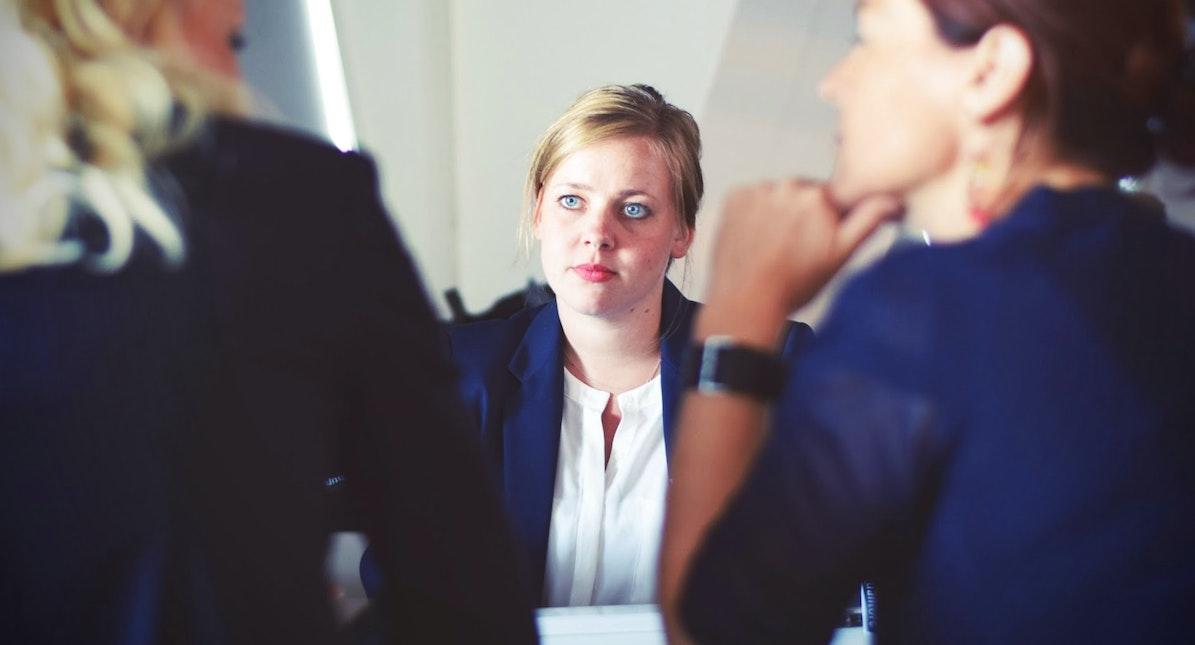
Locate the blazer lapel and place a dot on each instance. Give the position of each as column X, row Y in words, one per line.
column 676, row 322
column 531, row 435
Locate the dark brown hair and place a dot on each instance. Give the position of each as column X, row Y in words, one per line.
column 1113, row 84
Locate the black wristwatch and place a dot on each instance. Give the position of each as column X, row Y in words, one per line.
column 720, row 364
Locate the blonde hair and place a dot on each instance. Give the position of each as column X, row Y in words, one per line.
column 615, row 111
column 85, row 108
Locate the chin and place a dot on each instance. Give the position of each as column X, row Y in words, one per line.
column 848, row 189
column 844, row 192
column 849, row 184
column 586, row 305
column 595, row 300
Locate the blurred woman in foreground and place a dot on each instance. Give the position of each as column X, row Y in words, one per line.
column 996, row 428
column 200, row 321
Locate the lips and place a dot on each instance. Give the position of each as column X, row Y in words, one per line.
column 594, row 272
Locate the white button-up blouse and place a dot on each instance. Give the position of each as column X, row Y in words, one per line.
column 607, row 518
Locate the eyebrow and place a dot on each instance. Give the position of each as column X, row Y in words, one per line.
column 624, row 193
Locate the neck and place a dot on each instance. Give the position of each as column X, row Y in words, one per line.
column 1073, row 177
column 941, row 206
column 616, row 353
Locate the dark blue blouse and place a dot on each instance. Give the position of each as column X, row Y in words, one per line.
column 999, row 432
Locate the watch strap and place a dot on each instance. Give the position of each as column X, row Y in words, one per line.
column 721, row 364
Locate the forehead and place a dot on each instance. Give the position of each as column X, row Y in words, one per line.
column 889, row 8
column 895, row 19
column 866, row 5
column 213, row 11
column 615, row 161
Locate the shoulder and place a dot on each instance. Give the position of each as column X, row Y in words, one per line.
column 680, row 313
column 481, row 348
column 797, row 335
column 282, row 193
column 236, row 158
column 902, row 287
column 258, row 144
column 677, row 314
column 885, row 318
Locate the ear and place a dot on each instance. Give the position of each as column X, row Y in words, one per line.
column 682, row 242
column 1003, row 60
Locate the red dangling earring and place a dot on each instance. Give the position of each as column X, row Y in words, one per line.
column 978, row 213
column 981, row 216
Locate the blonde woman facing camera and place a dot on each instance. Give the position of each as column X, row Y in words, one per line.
column 574, row 399
column 580, row 405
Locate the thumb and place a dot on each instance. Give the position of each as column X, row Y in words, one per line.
column 863, row 219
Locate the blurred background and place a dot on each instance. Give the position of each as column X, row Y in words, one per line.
column 450, row 96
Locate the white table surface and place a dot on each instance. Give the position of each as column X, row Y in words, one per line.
column 629, row 625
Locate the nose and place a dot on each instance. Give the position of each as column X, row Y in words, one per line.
column 598, row 228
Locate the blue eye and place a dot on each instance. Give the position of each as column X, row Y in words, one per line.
column 571, row 202
column 635, row 211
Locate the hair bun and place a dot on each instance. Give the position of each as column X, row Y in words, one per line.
column 651, row 91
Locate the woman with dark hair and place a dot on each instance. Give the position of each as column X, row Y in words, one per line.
column 995, row 428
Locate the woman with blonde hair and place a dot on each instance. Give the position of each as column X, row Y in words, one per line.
column 995, row 428
column 574, row 399
column 201, row 320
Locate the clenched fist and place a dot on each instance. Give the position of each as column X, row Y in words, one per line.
column 779, row 244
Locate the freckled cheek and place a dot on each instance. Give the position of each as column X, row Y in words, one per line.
column 654, row 255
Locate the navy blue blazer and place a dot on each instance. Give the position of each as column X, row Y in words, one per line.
column 167, row 434
column 1000, row 433
column 512, row 382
